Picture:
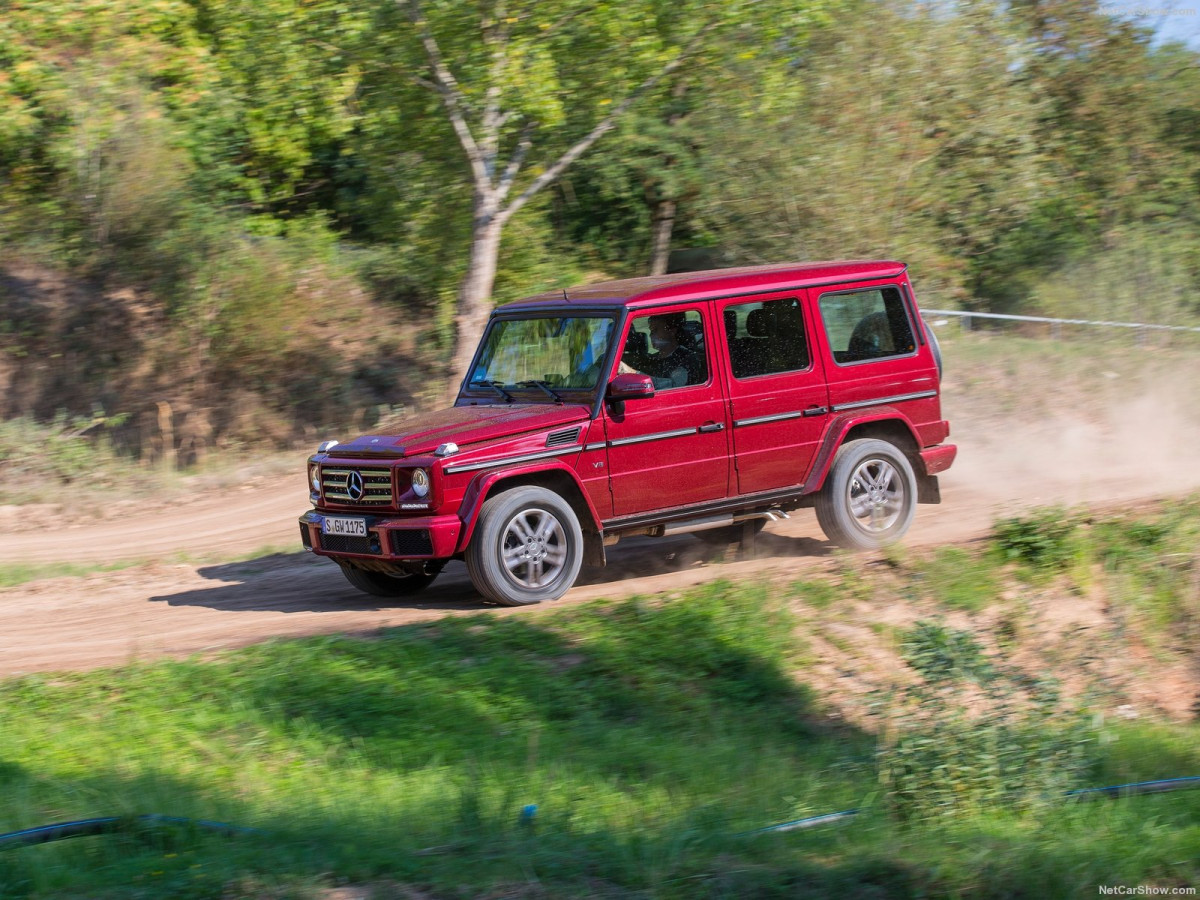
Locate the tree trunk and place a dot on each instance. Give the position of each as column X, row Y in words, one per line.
column 662, row 224
column 474, row 294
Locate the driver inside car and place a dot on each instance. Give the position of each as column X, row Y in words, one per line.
column 671, row 360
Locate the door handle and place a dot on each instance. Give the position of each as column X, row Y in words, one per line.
column 711, row 427
column 815, row 411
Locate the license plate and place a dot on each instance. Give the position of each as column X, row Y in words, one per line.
column 355, row 527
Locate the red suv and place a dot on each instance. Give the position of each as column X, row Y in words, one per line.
column 706, row 402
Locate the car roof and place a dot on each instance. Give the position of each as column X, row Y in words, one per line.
column 657, row 289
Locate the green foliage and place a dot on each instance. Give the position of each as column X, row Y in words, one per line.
column 1044, row 540
column 973, row 734
column 940, row 653
column 36, row 458
column 957, row 579
column 820, row 595
column 162, row 146
column 1153, row 565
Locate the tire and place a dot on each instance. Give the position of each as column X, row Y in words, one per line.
column 527, row 547
column 728, row 534
column 869, row 497
column 380, row 584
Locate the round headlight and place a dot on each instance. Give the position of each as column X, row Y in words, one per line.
column 420, row 482
column 314, row 478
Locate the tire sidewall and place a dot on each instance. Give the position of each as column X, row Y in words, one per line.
column 484, row 554
column 835, row 505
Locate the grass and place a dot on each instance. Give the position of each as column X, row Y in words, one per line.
column 15, row 574
column 654, row 735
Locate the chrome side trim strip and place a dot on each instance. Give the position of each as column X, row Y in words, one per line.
column 859, row 404
column 600, row 445
column 657, row 436
column 509, row 460
column 760, row 420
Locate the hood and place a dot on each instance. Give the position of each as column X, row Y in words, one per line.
column 463, row 425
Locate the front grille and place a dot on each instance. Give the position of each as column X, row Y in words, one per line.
column 345, row 543
column 377, row 485
column 412, row 542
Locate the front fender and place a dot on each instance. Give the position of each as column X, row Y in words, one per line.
column 551, row 471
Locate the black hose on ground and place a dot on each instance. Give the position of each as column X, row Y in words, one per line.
column 44, row 834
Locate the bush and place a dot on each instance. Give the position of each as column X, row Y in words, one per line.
column 1043, row 540
column 972, row 733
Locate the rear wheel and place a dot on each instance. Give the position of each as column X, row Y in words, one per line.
column 527, row 547
column 869, row 497
column 381, row 584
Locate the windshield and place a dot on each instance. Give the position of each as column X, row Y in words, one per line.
column 545, row 354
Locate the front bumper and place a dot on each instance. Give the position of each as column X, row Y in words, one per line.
column 387, row 538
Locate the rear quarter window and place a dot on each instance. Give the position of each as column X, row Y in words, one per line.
column 867, row 325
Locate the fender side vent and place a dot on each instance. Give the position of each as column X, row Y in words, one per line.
column 564, row 438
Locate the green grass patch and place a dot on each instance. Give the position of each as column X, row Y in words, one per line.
column 958, row 579
column 1150, row 561
column 653, row 736
column 15, row 574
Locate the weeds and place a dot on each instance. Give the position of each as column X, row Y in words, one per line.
column 958, row 580
column 941, row 654
column 1043, row 540
column 973, row 734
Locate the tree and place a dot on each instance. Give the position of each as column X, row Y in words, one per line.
column 529, row 87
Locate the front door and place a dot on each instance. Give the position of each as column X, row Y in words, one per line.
column 673, row 448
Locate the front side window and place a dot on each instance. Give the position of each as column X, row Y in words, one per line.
column 867, row 325
column 766, row 337
column 669, row 347
column 544, row 355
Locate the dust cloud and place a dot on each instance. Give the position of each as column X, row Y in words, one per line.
column 1092, row 451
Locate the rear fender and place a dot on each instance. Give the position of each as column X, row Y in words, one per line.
column 884, row 422
column 552, row 474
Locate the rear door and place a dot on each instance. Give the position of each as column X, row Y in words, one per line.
column 673, row 448
column 869, row 337
column 778, row 400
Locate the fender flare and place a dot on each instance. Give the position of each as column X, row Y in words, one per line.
column 481, row 486
column 835, row 435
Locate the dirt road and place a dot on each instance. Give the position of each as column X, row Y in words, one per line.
column 162, row 608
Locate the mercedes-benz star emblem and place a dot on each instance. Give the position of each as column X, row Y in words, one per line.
column 354, row 486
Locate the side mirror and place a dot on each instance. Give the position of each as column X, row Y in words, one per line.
column 630, row 386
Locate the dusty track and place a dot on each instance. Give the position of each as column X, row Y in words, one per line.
column 164, row 609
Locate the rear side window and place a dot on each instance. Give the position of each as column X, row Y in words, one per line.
column 766, row 337
column 866, row 325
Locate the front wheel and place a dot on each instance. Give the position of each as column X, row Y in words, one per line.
column 380, row 584
column 527, row 547
column 869, row 497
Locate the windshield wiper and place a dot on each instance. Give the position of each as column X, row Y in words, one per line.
column 495, row 386
column 543, row 386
